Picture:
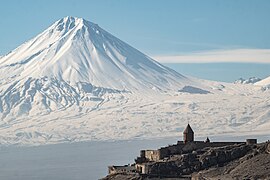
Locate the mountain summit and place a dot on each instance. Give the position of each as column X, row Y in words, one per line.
column 75, row 81
column 75, row 50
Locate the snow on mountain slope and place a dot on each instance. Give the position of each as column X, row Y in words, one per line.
column 251, row 80
column 264, row 82
column 76, row 82
column 76, row 60
column 75, row 50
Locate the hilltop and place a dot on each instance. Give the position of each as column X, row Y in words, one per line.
column 250, row 162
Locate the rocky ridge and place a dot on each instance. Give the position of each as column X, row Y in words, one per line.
column 228, row 162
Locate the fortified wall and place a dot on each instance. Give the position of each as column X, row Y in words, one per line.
column 179, row 148
column 148, row 159
column 186, row 146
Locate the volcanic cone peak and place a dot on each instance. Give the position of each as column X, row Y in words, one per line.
column 76, row 50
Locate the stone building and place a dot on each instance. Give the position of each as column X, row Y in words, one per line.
column 251, row 141
column 186, row 146
column 121, row 169
column 188, row 134
column 207, row 140
column 150, row 158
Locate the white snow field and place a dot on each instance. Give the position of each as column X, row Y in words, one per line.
column 77, row 82
column 264, row 82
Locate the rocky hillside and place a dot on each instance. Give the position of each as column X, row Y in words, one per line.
column 254, row 165
column 229, row 162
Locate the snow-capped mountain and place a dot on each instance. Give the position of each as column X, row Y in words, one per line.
column 251, row 80
column 76, row 82
column 75, row 60
column 75, row 50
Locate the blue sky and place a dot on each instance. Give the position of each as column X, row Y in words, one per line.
column 158, row 28
column 153, row 26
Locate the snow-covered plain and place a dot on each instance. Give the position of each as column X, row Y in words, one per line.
column 130, row 116
column 76, row 82
column 265, row 82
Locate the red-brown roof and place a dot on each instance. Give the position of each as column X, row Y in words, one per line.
column 188, row 130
